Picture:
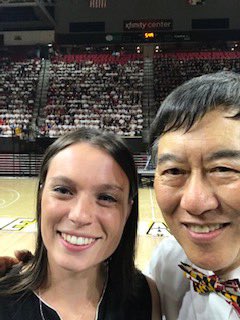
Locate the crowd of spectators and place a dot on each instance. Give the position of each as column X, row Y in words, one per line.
column 172, row 69
column 18, row 84
column 96, row 90
column 99, row 91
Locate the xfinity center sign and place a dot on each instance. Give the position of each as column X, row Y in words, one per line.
column 147, row 25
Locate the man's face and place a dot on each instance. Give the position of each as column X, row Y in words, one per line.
column 197, row 185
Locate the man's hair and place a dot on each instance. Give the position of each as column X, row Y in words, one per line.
column 189, row 102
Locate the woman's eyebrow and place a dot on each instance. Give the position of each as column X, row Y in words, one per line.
column 61, row 179
column 109, row 186
column 104, row 186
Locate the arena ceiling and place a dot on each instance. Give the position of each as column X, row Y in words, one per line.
column 31, row 14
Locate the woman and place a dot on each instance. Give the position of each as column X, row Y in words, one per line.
column 87, row 211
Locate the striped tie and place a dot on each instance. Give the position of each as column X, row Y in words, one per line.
column 229, row 290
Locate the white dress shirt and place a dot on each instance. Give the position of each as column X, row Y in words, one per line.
column 179, row 301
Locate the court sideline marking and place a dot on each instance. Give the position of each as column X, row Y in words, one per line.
column 3, row 202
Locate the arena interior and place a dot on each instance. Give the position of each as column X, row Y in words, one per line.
column 104, row 64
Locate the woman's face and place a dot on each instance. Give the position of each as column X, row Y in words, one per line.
column 85, row 205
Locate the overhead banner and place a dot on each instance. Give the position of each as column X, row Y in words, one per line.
column 147, row 25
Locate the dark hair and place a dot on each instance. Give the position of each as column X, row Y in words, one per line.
column 121, row 263
column 189, row 102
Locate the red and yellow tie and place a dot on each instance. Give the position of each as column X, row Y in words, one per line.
column 229, row 290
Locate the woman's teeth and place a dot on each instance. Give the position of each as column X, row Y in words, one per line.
column 206, row 228
column 77, row 240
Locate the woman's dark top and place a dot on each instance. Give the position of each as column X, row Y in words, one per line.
column 138, row 305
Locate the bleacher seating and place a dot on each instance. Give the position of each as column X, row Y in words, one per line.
column 20, row 164
column 95, row 90
column 172, row 69
column 18, row 83
column 28, row 164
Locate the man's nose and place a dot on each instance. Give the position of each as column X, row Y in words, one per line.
column 198, row 196
column 82, row 210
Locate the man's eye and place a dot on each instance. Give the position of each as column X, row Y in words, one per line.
column 107, row 198
column 173, row 172
column 62, row 190
column 224, row 169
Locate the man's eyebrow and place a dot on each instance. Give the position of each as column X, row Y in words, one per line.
column 163, row 158
column 224, row 154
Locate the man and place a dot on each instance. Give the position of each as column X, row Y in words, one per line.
column 196, row 137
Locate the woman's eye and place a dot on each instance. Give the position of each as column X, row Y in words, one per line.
column 107, row 198
column 62, row 190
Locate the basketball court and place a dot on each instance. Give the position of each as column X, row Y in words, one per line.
column 18, row 224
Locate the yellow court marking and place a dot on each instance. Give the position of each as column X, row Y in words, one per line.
column 19, row 224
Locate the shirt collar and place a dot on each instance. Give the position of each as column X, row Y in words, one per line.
column 234, row 274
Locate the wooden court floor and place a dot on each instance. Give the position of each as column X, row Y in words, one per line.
column 18, row 225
